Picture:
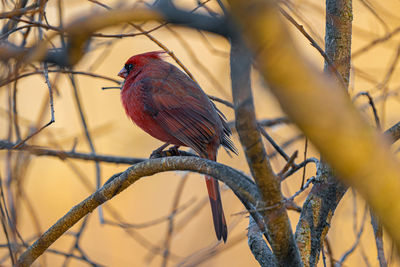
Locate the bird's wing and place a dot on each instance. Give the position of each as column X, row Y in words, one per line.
column 183, row 115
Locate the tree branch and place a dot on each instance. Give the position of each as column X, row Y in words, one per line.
column 241, row 185
column 80, row 31
column 321, row 203
column 276, row 218
column 258, row 246
column 355, row 150
column 40, row 151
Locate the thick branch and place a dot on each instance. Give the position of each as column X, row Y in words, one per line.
column 277, row 221
column 317, row 213
column 213, row 24
column 323, row 112
column 325, row 195
column 339, row 17
column 241, row 185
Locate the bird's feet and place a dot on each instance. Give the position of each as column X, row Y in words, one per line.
column 160, row 153
column 157, row 153
column 173, row 151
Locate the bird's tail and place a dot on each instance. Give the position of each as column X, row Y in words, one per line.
column 221, row 229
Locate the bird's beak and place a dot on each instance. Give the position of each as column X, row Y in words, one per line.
column 123, row 73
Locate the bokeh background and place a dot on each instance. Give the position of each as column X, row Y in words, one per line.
column 49, row 187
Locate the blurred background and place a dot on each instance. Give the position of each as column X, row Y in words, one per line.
column 40, row 189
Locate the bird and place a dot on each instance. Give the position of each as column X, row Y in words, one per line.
column 167, row 104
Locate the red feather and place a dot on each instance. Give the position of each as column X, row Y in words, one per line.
column 171, row 107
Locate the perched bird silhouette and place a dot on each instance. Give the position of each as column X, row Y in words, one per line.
column 168, row 105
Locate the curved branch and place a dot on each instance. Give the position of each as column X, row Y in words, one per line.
column 241, row 185
column 353, row 148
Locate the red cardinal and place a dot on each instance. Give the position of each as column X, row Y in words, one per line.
column 171, row 107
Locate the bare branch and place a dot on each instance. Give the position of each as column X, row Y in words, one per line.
column 277, row 221
column 347, row 137
column 356, row 242
column 39, row 151
column 376, row 42
column 258, row 246
column 242, row 186
column 378, row 233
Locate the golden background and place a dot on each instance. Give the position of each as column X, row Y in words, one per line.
column 53, row 186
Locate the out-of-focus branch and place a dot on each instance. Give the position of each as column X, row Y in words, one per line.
column 342, row 259
column 79, row 31
column 314, row 44
column 321, row 203
column 213, row 24
column 393, row 133
column 376, row 42
column 19, row 12
column 11, row 24
column 276, row 218
column 241, row 185
column 354, row 149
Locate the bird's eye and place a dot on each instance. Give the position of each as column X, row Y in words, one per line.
column 128, row 67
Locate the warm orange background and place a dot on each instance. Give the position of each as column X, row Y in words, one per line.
column 53, row 187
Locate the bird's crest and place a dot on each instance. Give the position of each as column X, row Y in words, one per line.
column 142, row 58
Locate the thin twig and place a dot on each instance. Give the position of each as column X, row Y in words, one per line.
column 289, row 164
column 297, row 167
column 314, row 44
column 372, row 10
column 273, row 143
column 356, row 242
column 152, row 222
column 373, row 107
column 4, row 224
column 375, row 42
column 305, row 157
column 304, row 187
column 88, row 137
column 174, row 209
column 40, row 151
column 378, row 233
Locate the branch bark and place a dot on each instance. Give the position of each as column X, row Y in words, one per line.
column 80, row 31
column 261, row 252
column 321, row 203
column 241, row 185
column 324, row 113
column 41, row 151
column 277, row 221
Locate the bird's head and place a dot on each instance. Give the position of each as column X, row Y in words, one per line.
column 136, row 62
